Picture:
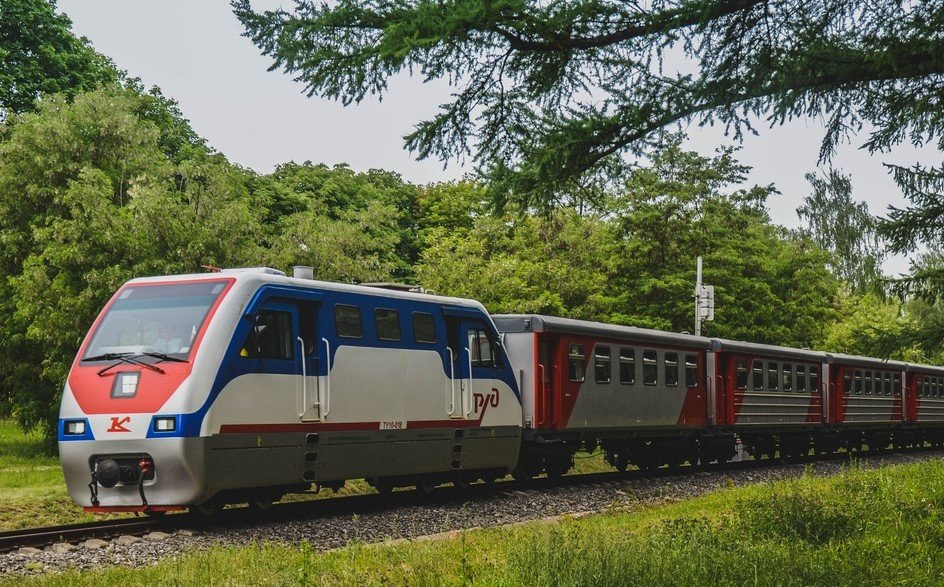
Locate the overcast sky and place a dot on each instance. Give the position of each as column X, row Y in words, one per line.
column 193, row 50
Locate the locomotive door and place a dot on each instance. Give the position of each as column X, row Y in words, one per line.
column 475, row 359
column 545, row 379
column 311, row 350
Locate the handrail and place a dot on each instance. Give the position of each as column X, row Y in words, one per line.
column 468, row 390
column 301, row 344
column 326, row 401
column 452, row 381
column 542, row 374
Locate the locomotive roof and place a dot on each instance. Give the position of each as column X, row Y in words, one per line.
column 860, row 361
column 539, row 323
column 754, row 348
column 264, row 275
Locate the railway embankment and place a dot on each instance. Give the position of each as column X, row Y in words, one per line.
column 875, row 520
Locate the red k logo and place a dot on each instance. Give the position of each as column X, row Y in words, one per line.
column 118, row 425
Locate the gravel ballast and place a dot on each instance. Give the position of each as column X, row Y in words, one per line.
column 502, row 506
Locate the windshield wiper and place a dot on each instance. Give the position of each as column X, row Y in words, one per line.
column 164, row 357
column 122, row 358
column 106, row 357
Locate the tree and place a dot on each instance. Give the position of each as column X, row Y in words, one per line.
column 635, row 263
column 845, row 228
column 547, row 92
column 92, row 193
column 40, row 55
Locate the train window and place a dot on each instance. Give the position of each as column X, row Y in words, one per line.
column 388, row 324
column 424, row 327
column 801, row 378
column 787, row 377
column 857, row 388
column 650, row 367
column 691, row 370
column 347, row 320
column 887, row 379
column 601, row 364
column 270, row 337
column 868, row 383
column 847, row 382
column 758, row 375
column 773, row 373
column 576, row 364
column 482, row 350
column 627, row 366
column 671, row 369
column 896, row 384
column 934, row 387
column 921, row 386
column 740, row 374
column 814, row 379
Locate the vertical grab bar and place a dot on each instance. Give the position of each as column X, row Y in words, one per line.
column 468, row 391
column 452, row 382
column 301, row 345
column 326, row 401
column 543, row 394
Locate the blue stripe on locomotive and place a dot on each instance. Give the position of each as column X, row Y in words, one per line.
column 234, row 366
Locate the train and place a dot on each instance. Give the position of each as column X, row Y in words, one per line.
column 191, row 392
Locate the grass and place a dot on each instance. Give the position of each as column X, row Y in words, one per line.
column 33, row 491
column 880, row 526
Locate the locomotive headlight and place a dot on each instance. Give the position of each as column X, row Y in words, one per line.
column 165, row 424
column 75, row 427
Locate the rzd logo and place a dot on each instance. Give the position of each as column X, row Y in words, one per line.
column 118, row 425
column 481, row 401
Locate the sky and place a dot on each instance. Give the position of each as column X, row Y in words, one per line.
column 193, row 50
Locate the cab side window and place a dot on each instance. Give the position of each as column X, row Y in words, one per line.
column 270, row 337
column 483, row 350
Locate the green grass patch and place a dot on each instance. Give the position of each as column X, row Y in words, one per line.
column 882, row 526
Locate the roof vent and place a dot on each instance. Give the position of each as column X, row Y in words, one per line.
column 303, row 272
column 268, row 270
column 399, row 287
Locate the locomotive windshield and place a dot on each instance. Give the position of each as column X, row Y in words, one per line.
column 161, row 319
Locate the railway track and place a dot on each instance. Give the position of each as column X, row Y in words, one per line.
column 366, row 503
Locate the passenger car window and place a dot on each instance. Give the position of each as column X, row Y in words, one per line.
column 388, row 324
column 601, row 364
column 347, row 321
column 270, row 337
column 896, row 384
column 691, row 370
column 846, row 382
column 814, row 379
column 758, row 375
column 671, row 369
column 858, row 382
column 424, row 327
column 868, row 383
column 887, row 379
column 801, row 378
column 627, row 366
column 787, row 377
column 773, row 374
column 650, row 367
column 576, row 363
column 740, row 374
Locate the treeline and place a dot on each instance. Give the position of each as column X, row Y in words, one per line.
column 102, row 180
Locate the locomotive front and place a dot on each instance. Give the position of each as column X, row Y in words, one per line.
column 129, row 437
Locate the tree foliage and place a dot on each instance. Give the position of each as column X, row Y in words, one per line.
column 40, row 55
column 635, row 263
column 845, row 228
column 546, row 92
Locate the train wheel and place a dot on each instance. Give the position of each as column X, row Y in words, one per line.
column 260, row 499
column 207, row 508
